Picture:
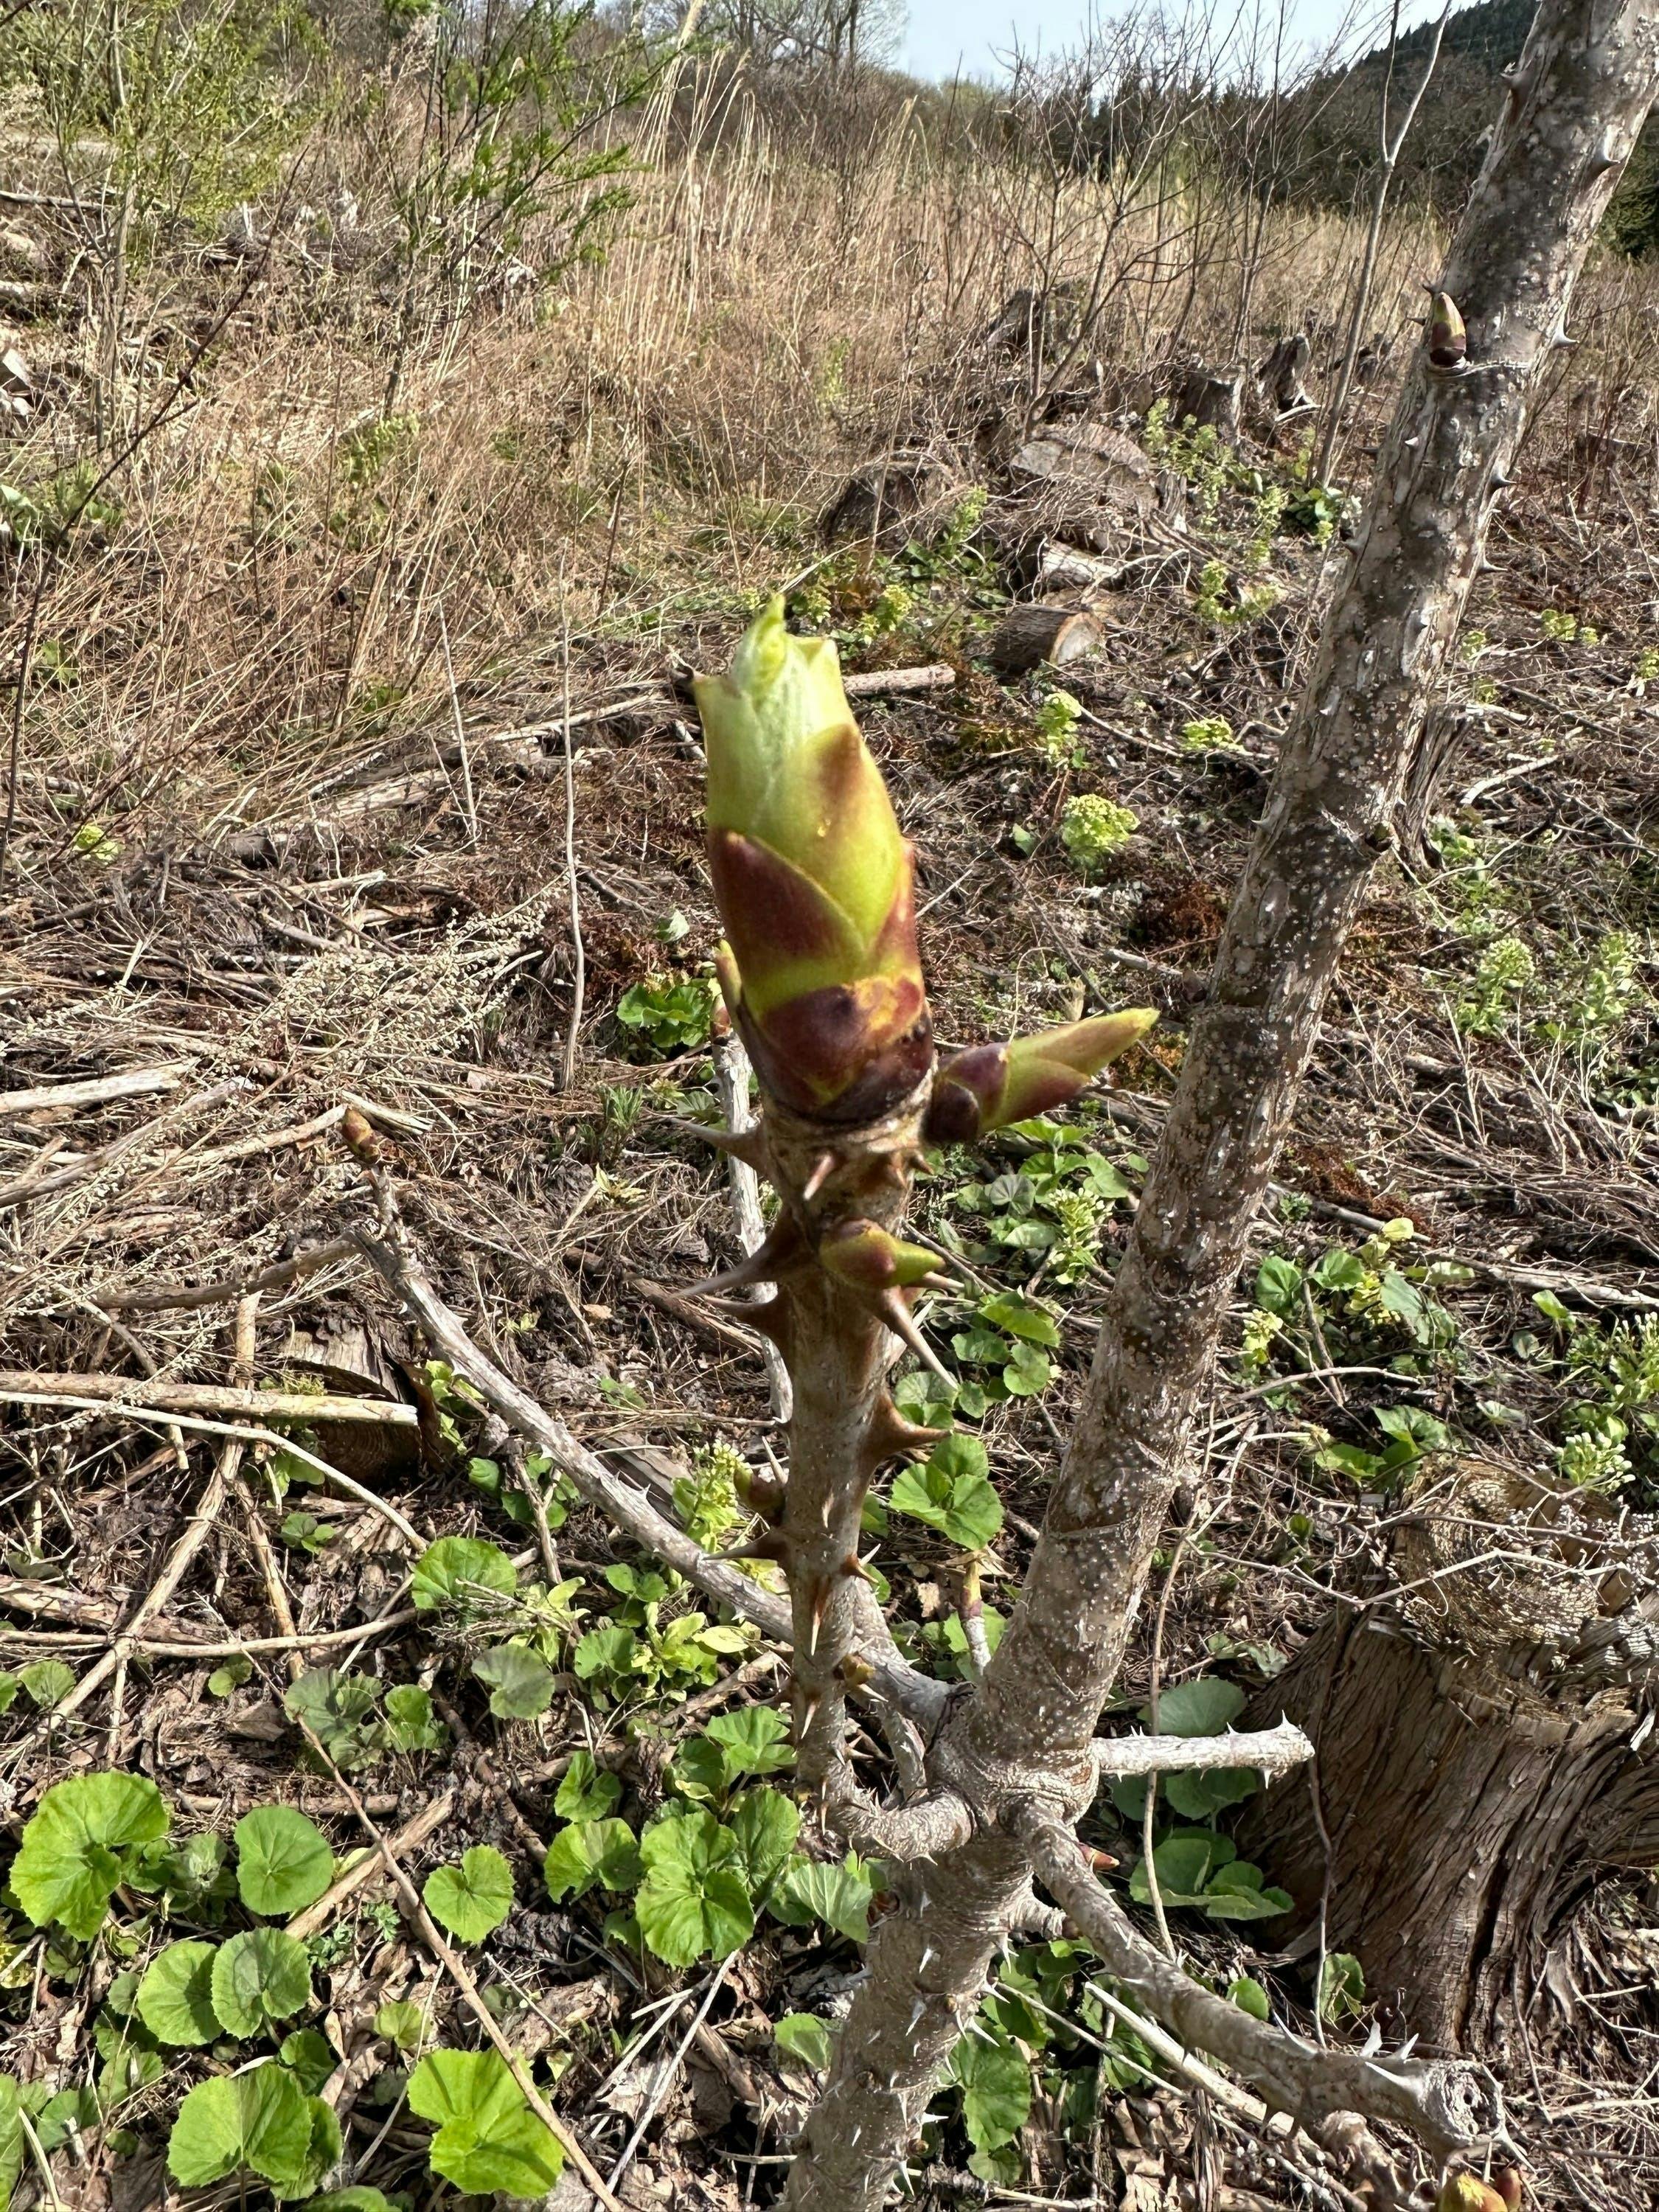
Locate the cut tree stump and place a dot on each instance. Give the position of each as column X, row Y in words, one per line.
column 1028, row 636
column 892, row 501
column 1280, row 377
column 1211, row 398
column 1481, row 1766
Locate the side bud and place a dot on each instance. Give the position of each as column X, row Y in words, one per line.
column 990, row 1085
column 1448, row 340
column 868, row 1258
column 814, row 882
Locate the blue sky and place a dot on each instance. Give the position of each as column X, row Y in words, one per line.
column 945, row 34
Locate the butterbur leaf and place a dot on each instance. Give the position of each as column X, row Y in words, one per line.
column 339, row 1707
column 521, row 1685
column 1249, row 1997
column 699, row 1771
column 1412, row 1424
column 11, row 2137
column 65, row 2115
column 590, row 1855
column 1237, row 1893
column 694, row 1901
column 1341, row 1985
column 488, row 2138
column 1205, row 1706
column 175, row 1998
column 308, row 2057
column 283, row 1862
column 260, row 2121
column 1279, row 1286
column 69, row 1866
column 1199, row 1796
column 463, row 2085
column 587, row 1791
column 766, row 1824
column 470, row 1900
column 1183, row 1862
column 47, row 1681
column 460, row 1571
column 412, row 1724
column 518, row 2155
column 995, row 2082
column 948, row 1493
column 811, row 1889
column 322, row 2152
column 262, row 1975
column 1021, row 1317
column 804, row 2038
column 754, row 1740
column 401, row 2022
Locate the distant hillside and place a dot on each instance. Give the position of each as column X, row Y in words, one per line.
column 1448, row 140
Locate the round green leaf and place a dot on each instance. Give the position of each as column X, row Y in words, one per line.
column 471, row 1899
column 766, row 1824
column 1203, row 1706
column 308, row 2055
column 995, row 2081
column 587, row 1791
column 694, row 1902
column 261, row 1975
column 283, row 1862
column 402, row 2022
column 68, row 1868
column 48, row 1681
column 518, row 2155
column 809, row 1890
column 804, row 2038
column 520, row 1684
column 591, row 1854
column 175, row 1998
column 322, row 2150
column 463, row 2085
column 458, row 1570
column 261, row 2120
column 1249, row 1997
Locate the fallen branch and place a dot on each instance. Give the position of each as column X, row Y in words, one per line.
column 165, row 1297
column 370, row 1868
column 249, row 1433
column 124, row 1393
column 1448, row 2106
column 98, row 1090
column 627, row 1506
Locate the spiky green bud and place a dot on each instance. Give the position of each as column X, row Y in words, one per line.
column 871, row 1259
column 990, row 1085
column 814, row 881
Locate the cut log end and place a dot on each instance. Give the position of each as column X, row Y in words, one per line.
column 1027, row 637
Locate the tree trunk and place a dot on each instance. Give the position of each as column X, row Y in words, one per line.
column 1476, row 1772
